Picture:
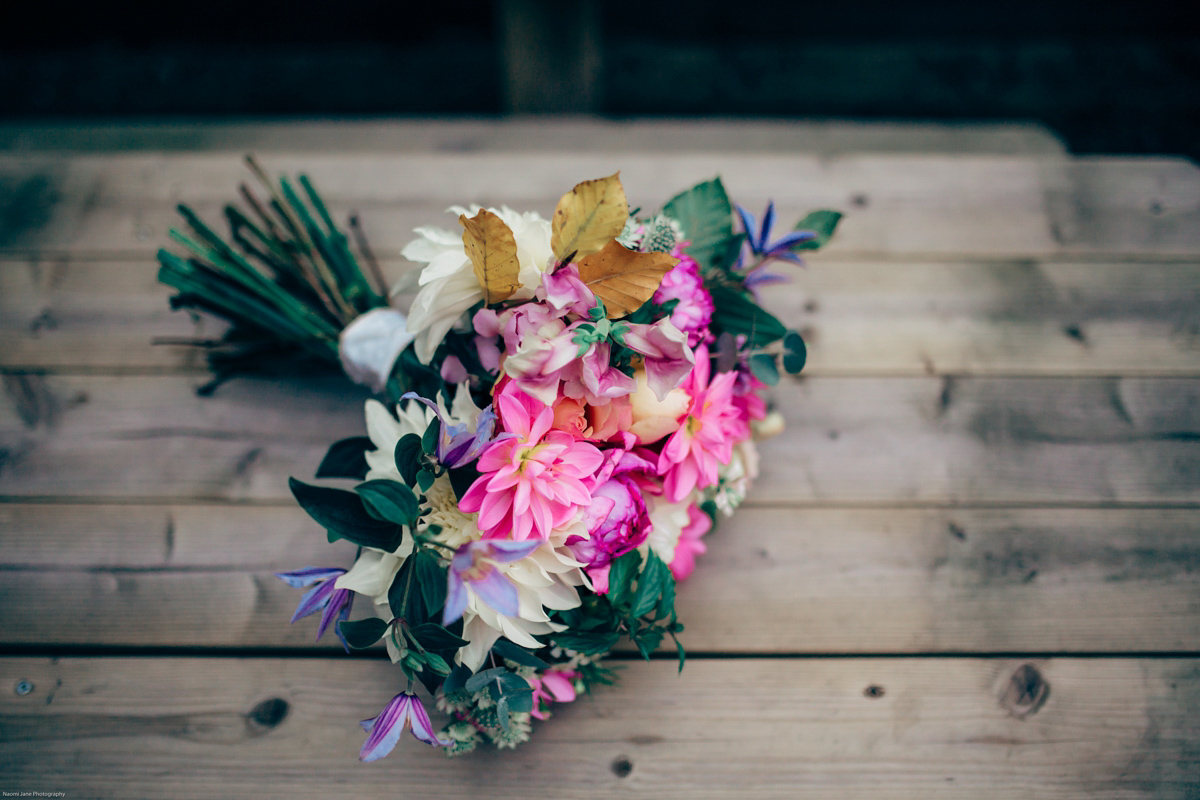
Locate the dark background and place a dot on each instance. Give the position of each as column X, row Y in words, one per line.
column 1109, row 77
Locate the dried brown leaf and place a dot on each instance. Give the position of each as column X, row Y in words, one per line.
column 623, row 279
column 588, row 217
column 492, row 248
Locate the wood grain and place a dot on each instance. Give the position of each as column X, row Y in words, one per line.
column 849, row 440
column 774, row 580
column 863, row 728
column 1002, row 207
column 875, row 318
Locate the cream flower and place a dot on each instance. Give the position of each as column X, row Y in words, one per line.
column 448, row 283
column 669, row 520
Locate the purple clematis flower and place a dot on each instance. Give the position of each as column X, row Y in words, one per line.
column 475, row 563
column 403, row 711
column 760, row 244
column 325, row 596
column 457, row 445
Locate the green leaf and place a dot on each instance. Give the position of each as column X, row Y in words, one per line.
column 408, row 457
column 431, row 578
column 457, row 679
column 621, row 575
column 651, row 583
column 822, row 223
column 666, row 603
column 363, row 633
column 679, row 651
column 511, row 683
column 737, row 314
column 346, row 459
column 482, row 679
column 432, row 636
column 461, row 479
column 706, row 216
column 520, row 702
column 342, row 514
column 589, row 644
column 795, row 353
column 506, row 649
column 425, row 479
column 502, row 714
column 429, row 441
column 647, row 640
column 763, row 367
column 392, row 500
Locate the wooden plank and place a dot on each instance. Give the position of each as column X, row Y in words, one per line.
column 849, row 440
column 532, row 135
column 837, row 728
column 773, row 581
column 899, row 205
column 968, row 318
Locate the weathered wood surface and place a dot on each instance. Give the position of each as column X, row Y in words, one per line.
column 831, row 728
column 859, row 318
column 775, row 580
column 848, row 440
column 996, row 451
column 999, row 207
column 533, row 134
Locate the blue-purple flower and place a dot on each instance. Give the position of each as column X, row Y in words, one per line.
column 761, row 245
column 403, row 711
column 474, row 564
column 457, row 445
column 324, row 596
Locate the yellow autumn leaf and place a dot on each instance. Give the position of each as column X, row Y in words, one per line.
column 623, row 279
column 492, row 248
column 588, row 217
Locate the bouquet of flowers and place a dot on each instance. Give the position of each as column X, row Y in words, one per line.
column 568, row 406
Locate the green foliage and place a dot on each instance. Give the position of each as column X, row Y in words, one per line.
column 362, row 633
column 705, row 214
column 823, row 223
column 432, row 636
column 764, row 368
column 431, row 577
column 517, row 654
column 408, row 457
column 390, row 500
column 344, row 516
column 795, row 353
column 736, row 313
column 346, row 459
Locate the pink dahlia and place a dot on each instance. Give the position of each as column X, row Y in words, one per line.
column 616, row 519
column 690, row 544
column 706, row 435
column 534, row 482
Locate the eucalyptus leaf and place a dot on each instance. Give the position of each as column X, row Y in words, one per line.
column 764, row 368
column 520, row 702
column 481, row 679
column 457, row 679
column 795, row 352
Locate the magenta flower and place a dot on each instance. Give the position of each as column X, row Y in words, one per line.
column 594, row 380
column 706, row 434
column 403, row 711
column 617, row 520
column 534, row 482
column 474, row 564
column 566, row 292
column 690, row 544
column 664, row 348
column 551, row 686
column 324, row 596
column 694, row 310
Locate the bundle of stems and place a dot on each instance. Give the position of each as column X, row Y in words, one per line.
column 286, row 279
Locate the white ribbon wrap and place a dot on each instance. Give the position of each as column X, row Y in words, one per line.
column 370, row 345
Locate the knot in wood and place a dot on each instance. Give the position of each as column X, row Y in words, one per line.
column 268, row 714
column 1025, row 692
column 622, row 766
